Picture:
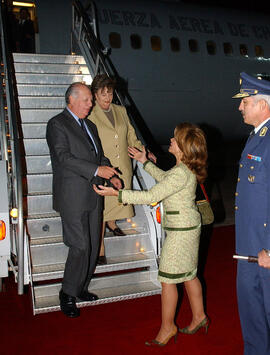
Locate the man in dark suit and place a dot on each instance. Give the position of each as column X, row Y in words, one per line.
column 77, row 163
column 252, row 214
column 26, row 32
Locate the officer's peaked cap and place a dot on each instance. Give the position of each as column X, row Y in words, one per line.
column 249, row 86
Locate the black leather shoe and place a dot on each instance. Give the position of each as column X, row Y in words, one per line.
column 116, row 231
column 102, row 260
column 68, row 305
column 87, row 296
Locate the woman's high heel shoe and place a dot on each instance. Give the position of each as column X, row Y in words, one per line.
column 155, row 342
column 204, row 324
column 116, row 231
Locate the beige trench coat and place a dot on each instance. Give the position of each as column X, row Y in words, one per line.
column 115, row 141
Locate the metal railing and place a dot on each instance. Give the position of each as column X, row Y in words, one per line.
column 14, row 156
column 84, row 31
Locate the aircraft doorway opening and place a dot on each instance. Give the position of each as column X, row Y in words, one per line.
column 24, row 26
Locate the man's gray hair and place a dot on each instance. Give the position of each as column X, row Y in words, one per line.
column 266, row 98
column 73, row 90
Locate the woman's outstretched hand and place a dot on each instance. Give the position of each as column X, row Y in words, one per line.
column 105, row 191
column 137, row 154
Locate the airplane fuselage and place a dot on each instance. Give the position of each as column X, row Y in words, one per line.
column 182, row 63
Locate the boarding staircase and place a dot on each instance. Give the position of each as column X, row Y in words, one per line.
column 131, row 271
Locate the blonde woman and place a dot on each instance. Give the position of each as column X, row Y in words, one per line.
column 182, row 222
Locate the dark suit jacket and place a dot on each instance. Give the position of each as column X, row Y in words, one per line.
column 27, row 36
column 74, row 163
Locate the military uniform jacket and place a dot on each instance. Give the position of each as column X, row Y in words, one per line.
column 252, row 203
column 176, row 188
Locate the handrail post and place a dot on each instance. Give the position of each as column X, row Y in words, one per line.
column 80, row 28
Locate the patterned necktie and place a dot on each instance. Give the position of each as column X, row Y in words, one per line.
column 86, row 134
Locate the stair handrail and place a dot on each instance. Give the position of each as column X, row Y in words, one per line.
column 96, row 57
column 14, row 139
column 87, row 32
column 3, row 138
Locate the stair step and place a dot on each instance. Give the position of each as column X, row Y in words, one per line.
column 36, row 146
column 38, row 115
column 40, row 204
column 109, row 289
column 39, row 228
column 42, row 215
column 38, row 164
column 128, row 261
column 43, row 102
column 48, row 58
column 67, row 79
column 48, row 254
column 34, row 130
column 46, row 240
column 50, row 68
column 119, row 263
column 39, row 184
column 44, row 254
column 41, row 90
column 129, row 244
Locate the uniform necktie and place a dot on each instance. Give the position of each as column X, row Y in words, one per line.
column 86, row 134
column 251, row 135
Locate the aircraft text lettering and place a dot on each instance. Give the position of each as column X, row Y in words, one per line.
column 180, row 23
column 128, row 18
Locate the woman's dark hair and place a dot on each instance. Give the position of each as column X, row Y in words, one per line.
column 102, row 81
column 191, row 141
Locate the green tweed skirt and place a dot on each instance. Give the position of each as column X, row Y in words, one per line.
column 179, row 256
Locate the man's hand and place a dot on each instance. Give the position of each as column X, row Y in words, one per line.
column 264, row 259
column 106, row 172
column 116, row 182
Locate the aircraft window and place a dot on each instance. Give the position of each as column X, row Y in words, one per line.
column 115, row 40
column 156, row 43
column 135, row 41
column 263, row 76
column 175, row 44
column 243, row 50
column 211, row 47
column 193, row 45
column 228, row 49
column 259, row 51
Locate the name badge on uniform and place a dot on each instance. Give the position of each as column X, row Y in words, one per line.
column 251, row 178
column 254, row 157
column 263, row 131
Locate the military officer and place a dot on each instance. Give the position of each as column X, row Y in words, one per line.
column 252, row 217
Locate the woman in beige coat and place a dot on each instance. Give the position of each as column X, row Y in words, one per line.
column 116, row 134
column 182, row 222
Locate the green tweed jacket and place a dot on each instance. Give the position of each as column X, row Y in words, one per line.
column 176, row 188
